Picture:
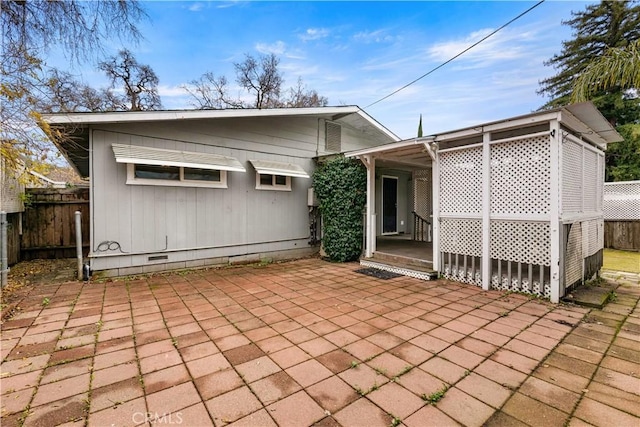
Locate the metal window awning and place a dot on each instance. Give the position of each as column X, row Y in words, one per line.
column 278, row 168
column 162, row 157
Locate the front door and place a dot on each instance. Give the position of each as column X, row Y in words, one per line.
column 389, row 205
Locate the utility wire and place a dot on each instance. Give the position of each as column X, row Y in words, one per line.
column 458, row 55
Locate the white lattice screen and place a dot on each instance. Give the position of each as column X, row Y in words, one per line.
column 571, row 177
column 461, row 181
column 573, row 256
column 590, row 177
column 521, row 241
column 461, row 236
column 422, row 189
column 622, row 200
column 521, row 176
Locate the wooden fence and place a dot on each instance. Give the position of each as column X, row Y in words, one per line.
column 48, row 225
column 623, row 235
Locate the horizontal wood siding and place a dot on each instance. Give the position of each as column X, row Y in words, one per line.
column 49, row 222
column 623, row 235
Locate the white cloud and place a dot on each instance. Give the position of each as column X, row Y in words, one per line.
column 377, row 36
column 314, row 34
column 196, row 7
column 171, row 91
column 277, row 48
column 504, row 45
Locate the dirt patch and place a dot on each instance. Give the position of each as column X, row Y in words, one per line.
column 25, row 276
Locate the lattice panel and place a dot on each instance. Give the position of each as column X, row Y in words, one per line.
column 573, row 255
column 590, row 171
column 571, row 177
column 590, row 238
column 521, row 176
column 461, row 236
column 422, row 193
column 520, row 241
column 622, row 200
column 600, row 234
column 600, row 192
column 461, row 181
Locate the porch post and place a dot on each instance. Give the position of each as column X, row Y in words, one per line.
column 554, row 212
column 370, row 233
column 435, row 217
column 486, row 211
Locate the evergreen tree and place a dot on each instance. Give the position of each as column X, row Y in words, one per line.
column 600, row 27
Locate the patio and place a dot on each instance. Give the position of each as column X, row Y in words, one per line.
column 314, row 343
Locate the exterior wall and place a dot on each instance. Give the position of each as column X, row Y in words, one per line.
column 182, row 227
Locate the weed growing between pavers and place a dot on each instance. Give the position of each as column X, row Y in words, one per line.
column 436, row 396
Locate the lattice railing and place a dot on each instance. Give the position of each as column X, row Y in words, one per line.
column 622, row 200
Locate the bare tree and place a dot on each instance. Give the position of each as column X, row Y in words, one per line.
column 261, row 78
column 29, row 30
column 210, row 92
column 67, row 94
column 300, row 96
column 139, row 82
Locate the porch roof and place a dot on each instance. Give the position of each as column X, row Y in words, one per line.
column 410, row 152
column 583, row 119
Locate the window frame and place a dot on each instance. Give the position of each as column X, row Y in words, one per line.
column 181, row 182
column 273, row 186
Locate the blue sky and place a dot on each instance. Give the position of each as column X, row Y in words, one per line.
column 355, row 53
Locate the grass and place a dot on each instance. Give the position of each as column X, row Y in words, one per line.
column 436, row 396
column 621, row 261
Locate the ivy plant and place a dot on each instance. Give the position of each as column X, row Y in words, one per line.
column 341, row 188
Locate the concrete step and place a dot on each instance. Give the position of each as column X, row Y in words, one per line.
column 402, row 261
column 418, row 272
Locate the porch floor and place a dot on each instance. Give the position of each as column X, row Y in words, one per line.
column 402, row 245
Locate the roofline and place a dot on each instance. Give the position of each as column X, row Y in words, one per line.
column 163, row 115
column 391, row 146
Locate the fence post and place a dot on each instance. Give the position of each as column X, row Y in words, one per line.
column 4, row 256
column 78, row 216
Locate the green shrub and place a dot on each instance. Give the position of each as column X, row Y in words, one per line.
column 341, row 189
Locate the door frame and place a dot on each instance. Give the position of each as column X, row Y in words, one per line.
column 382, row 178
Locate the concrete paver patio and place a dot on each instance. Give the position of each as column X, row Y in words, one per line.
column 313, row 343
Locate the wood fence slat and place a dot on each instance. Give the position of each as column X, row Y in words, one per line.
column 622, row 235
column 49, row 223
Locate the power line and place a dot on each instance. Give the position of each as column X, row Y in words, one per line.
column 458, row 55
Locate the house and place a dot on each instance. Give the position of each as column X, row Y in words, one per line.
column 514, row 205
column 183, row 189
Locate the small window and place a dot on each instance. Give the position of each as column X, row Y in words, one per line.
column 273, row 182
column 157, row 172
column 175, row 176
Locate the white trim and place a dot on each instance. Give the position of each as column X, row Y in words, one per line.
column 160, row 157
column 461, row 147
column 435, row 216
column 520, row 137
column 132, row 180
column 268, row 167
column 273, row 186
column 387, row 147
column 382, row 177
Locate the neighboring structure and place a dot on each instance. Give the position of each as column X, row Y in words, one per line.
column 622, row 215
column 181, row 189
column 515, row 205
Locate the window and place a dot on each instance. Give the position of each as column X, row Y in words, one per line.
column 157, row 166
column 272, row 175
column 176, row 176
column 273, row 182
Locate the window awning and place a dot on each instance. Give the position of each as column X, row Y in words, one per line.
column 269, row 167
column 161, row 157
